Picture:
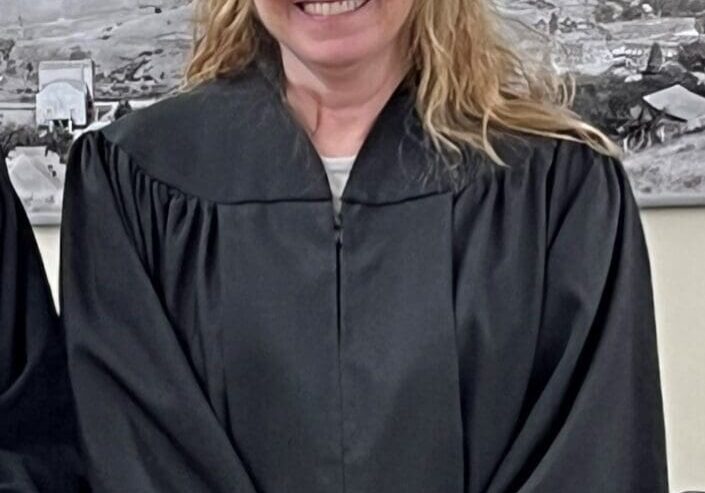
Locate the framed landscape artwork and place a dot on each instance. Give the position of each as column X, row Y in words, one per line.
column 639, row 65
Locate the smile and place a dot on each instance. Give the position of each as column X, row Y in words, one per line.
column 331, row 8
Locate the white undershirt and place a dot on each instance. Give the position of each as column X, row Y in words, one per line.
column 338, row 171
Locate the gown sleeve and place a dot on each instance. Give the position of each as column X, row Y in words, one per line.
column 593, row 416
column 145, row 421
column 39, row 449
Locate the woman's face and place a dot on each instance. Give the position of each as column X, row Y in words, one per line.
column 334, row 33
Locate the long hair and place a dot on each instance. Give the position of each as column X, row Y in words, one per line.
column 469, row 78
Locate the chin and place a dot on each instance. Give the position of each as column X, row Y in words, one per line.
column 340, row 58
column 335, row 53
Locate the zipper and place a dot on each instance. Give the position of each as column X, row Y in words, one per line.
column 338, row 227
column 338, row 230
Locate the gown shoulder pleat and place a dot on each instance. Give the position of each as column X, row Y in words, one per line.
column 581, row 409
column 149, row 425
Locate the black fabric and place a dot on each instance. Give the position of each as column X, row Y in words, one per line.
column 224, row 336
column 38, row 437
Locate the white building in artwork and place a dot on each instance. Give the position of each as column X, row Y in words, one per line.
column 62, row 100
column 38, row 178
column 681, row 105
column 65, row 92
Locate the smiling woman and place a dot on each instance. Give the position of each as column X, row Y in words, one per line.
column 477, row 317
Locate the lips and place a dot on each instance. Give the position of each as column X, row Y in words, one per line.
column 330, row 8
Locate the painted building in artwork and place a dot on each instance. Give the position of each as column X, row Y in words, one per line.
column 38, row 178
column 14, row 113
column 62, row 100
column 680, row 105
column 65, row 92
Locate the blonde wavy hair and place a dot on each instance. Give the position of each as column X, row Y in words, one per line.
column 468, row 76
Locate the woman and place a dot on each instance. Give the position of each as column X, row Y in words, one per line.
column 476, row 317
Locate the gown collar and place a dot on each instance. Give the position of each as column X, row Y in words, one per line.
column 393, row 164
column 250, row 147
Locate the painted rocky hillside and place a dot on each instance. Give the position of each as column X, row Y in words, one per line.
column 138, row 47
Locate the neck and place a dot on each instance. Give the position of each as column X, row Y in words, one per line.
column 337, row 105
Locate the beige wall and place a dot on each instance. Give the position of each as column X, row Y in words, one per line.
column 676, row 239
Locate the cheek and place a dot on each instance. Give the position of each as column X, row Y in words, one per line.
column 391, row 17
column 274, row 15
column 399, row 11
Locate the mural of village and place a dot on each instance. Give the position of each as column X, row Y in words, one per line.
column 67, row 65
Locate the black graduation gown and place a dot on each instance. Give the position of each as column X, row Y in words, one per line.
column 225, row 336
column 38, row 436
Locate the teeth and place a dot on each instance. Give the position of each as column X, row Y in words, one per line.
column 332, row 8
